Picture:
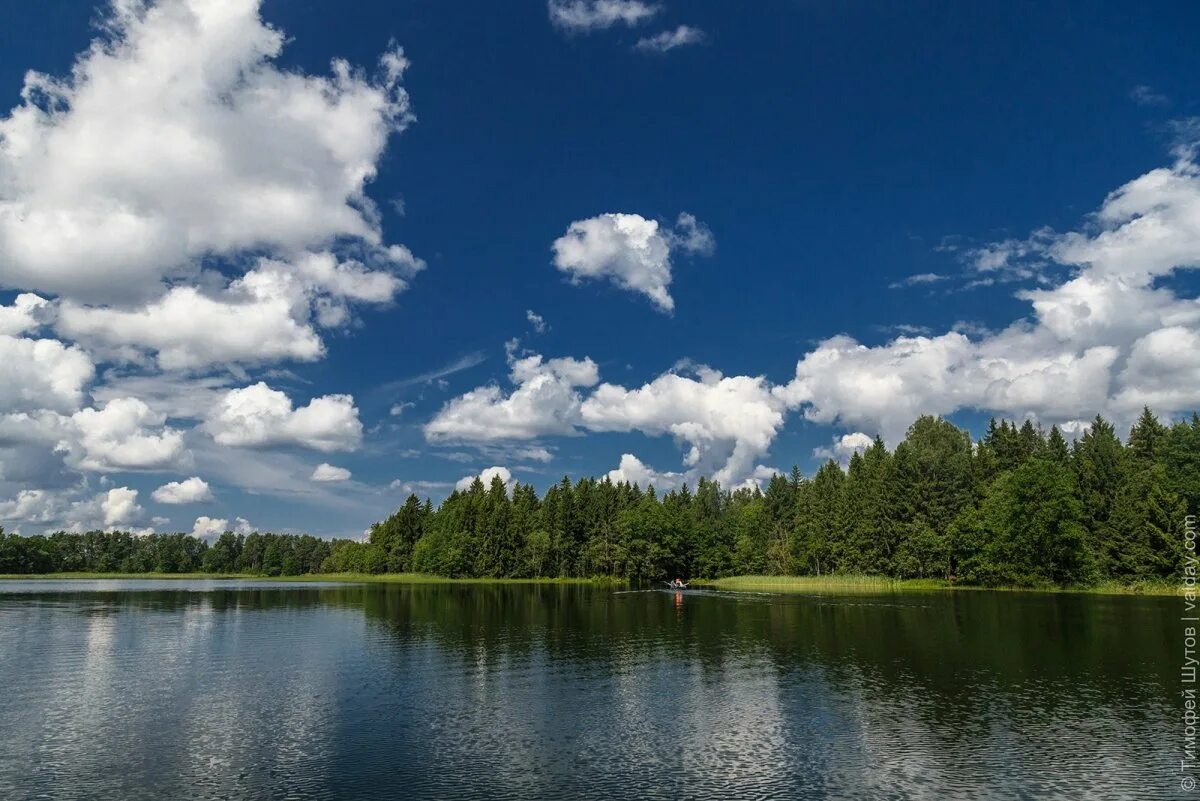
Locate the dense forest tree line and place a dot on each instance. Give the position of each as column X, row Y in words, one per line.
column 1020, row 506
column 122, row 552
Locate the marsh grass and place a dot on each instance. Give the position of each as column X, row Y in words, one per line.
column 874, row 584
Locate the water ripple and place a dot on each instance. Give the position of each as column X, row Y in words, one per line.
column 217, row 690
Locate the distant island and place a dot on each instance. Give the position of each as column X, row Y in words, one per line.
column 1021, row 507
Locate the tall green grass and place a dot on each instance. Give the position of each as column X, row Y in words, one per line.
column 870, row 584
column 835, row 583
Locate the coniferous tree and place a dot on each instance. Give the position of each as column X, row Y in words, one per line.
column 870, row 535
column 1100, row 470
column 821, row 529
column 1056, row 448
column 1147, row 438
column 1182, row 458
column 1018, row 507
column 934, row 481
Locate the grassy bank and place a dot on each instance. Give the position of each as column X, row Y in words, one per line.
column 872, row 584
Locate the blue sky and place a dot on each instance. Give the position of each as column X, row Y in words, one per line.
column 899, row 175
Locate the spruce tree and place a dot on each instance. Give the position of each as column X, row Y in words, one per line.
column 1100, row 469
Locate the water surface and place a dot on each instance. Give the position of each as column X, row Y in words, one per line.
column 238, row 689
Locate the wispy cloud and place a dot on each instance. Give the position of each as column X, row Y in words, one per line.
column 419, row 487
column 905, row 329
column 917, row 280
column 669, row 40
column 536, row 320
column 1146, row 96
column 584, row 16
column 473, row 359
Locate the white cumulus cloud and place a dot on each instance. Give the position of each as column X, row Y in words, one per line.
column 30, row 506
column 42, row 374
column 486, row 476
column 724, row 422
column 28, row 312
column 546, row 401
column 630, row 251
column 633, row 470
column 260, row 416
column 844, row 447
column 120, row 506
column 190, row 490
column 125, row 434
column 1107, row 338
column 177, row 137
column 328, row 472
column 207, row 527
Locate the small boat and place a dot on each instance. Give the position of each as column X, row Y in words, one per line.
column 675, row 586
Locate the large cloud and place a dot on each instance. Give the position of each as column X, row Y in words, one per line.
column 629, row 250
column 726, row 422
column 229, row 154
column 28, row 312
column 176, row 138
column 267, row 315
column 1107, row 338
column 125, row 434
column 42, row 374
column 1111, row 334
column 75, row 509
column 186, row 210
column 31, row 506
column 260, row 416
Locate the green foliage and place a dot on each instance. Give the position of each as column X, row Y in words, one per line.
column 1020, row 507
column 396, row 536
column 172, row 554
column 1032, row 529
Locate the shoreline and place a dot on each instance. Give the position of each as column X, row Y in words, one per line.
column 360, row 578
column 774, row 584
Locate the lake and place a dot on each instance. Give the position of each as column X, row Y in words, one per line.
column 242, row 689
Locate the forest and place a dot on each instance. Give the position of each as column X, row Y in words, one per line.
column 1021, row 506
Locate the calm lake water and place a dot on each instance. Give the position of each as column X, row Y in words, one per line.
column 225, row 689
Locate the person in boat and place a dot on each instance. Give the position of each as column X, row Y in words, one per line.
column 679, row 585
